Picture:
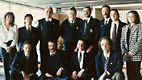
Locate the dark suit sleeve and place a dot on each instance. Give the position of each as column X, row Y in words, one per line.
column 34, row 67
column 62, row 29
column 99, row 71
column 119, row 64
column 58, row 29
column 20, row 42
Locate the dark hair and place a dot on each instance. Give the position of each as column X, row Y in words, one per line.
column 28, row 15
column 49, row 8
column 137, row 21
column 73, row 8
column 100, row 40
column 26, row 42
column 115, row 11
column 88, row 8
column 13, row 18
column 106, row 6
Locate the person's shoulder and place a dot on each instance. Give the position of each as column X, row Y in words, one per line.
column 64, row 21
column 55, row 19
column 78, row 19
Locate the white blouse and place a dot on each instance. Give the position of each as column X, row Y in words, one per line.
column 6, row 36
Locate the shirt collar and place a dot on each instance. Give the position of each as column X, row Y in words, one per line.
column 50, row 19
column 81, row 51
column 116, row 22
column 28, row 27
column 52, row 53
column 88, row 19
column 107, row 19
column 71, row 21
column 107, row 56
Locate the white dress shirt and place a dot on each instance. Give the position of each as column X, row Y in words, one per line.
column 6, row 36
column 88, row 19
column 50, row 19
column 112, row 26
column 107, row 20
column 29, row 27
column 82, row 58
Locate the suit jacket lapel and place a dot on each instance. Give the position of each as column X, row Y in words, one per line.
column 132, row 32
column 76, row 57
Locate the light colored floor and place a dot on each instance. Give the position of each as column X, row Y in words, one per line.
column 2, row 72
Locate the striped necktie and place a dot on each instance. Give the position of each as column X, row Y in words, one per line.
column 106, row 64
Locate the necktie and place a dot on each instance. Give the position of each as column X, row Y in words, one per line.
column 106, row 64
column 71, row 23
column 80, row 57
column 85, row 27
column 114, row 33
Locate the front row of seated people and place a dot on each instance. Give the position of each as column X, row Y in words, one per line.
column 108, row 64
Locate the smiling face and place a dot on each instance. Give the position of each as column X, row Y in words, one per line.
column 105, row 12
column 87, row 12
column 28, row 21
column 80, row 45
column 114, row 16
column 8, row 19
column 105, row 45
column 131, row 18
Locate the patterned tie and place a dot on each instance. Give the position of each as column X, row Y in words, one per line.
column 106, row 22
column 106, row 64
column 114, row 33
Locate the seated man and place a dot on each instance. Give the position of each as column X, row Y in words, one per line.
column 81, row 63
column 53, row 66
column 108, row 63
column 24, row 65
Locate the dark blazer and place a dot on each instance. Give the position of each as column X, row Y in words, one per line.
column 104, row 29
column 69, row 32
column 48, row 31
column 116, row 46
column 21, row 64
column 87, row 63
column 115, row 63
column 32, row 37
column 51, row 64
column 91, row 36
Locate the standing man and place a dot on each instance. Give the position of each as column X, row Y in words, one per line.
column 105, row 23
column 28, row 33
column 88, row 30
column 115, row 30
column 49, row 30
column 69, row 30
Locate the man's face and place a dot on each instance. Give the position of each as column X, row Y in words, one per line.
column 80, row 45
column 105, row 45
column 49, row 13
column 27, row 49
column 28, row 21
column 105, row 12
column 51, row 47
column 114, row 16
column 72, row 15
column 87, row 12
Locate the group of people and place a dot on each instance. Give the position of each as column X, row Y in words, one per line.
column 92, row 48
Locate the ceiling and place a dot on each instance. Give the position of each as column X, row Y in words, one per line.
column 68, row 3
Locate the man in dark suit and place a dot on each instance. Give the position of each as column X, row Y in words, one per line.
column 108, row 63
column 88, row 30
column 24, row 65
column 53, row 66
column 115, row 30
column 28, row 33
column 69, row 30
column 81, row 63
column 105, row 23
column 49, row 30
